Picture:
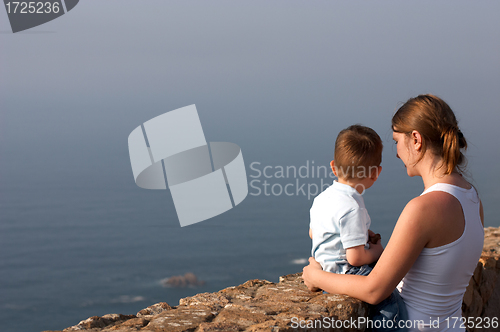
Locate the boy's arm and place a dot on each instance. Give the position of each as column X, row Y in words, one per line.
column 358, row 255
column 310, row 233
column 353, row 233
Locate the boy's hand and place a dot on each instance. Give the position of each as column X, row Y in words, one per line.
column 373, row 238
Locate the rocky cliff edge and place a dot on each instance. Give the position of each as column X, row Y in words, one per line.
column 260, row 305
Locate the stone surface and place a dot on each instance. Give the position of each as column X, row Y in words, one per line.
column 154, row 309
column 482, row 299
column 256, row 305
column 260, row 305
column 187, row 280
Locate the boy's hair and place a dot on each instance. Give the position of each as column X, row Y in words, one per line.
column 358, row 151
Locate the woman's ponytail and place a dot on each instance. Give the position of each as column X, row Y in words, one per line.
column 462, row 144
column 451, row 154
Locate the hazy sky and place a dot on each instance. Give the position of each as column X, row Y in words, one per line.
column 279, row 78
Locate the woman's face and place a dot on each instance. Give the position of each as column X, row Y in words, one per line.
column 403, row 152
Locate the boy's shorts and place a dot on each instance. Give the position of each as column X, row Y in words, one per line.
column 390, row 313
column 362, row 270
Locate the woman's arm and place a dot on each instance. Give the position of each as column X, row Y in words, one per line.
column 412, row 232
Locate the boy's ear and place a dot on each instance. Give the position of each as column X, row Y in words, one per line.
column 332, row 164
column 375, row 173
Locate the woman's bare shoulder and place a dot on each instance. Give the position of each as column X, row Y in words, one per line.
column 426, row 211
column 436, row 216
column 420, row 205
column 432, row 202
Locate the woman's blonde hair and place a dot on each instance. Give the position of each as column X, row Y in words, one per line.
column 435, row 121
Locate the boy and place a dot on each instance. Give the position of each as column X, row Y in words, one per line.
column 340, row 225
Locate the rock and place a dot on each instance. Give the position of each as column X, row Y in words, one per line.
column 283, row 293
column 342, row 307
column 215, row 301
column 187, row 280
column 261, row 305
column 477, row 304
column 97, row 322
column 130, row 325
column 241, row 316
column 154, row 309
column 290, row 278
column 217, row 327
column 276, row 325
column 181, row 319
column 487, row 284
column 492, row 307
column 482, row 298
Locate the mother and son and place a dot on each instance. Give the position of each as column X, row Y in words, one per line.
column 422, row 274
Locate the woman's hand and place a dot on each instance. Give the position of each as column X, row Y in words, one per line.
column 308, row 273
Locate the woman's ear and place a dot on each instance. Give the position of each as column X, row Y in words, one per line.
column 334, row 169
column 416, row 140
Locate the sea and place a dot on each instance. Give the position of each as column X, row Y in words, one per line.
column 77, row 243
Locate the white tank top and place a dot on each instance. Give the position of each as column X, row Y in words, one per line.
column 434, row 287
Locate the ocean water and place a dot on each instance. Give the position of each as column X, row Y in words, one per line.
column 75, row 245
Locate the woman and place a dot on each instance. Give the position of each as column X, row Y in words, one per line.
column 438, row 239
